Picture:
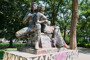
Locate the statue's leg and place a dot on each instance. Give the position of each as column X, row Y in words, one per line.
column 59, row 39
column 56, row 28
column 21, row 32
column 29, row 41
column 38, row 34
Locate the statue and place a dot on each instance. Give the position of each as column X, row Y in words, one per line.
column 28, row 18
column 44, row 42
column 38, row 24
column 29, row 32
column 34, row 25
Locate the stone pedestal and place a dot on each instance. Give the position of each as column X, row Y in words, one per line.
column 63, row 55
column 38, row 51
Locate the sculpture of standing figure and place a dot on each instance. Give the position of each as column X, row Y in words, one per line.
column 31, row 29
column 31, row 18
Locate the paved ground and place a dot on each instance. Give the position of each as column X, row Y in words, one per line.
column 84, row 53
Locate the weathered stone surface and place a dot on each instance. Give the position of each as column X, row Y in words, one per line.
column 64, row 55
column 45, row 41
column 38, row 51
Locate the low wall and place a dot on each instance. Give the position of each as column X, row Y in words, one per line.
column 64, row 55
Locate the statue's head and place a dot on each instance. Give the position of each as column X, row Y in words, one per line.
column 34, row 6
column 41, row 7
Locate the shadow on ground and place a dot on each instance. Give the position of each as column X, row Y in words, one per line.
column 84, row 50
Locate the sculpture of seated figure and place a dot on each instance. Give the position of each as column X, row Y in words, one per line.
column 37, row 22
column 41, row 19
column 54, row 30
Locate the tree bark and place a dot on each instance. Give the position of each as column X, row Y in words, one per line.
column 10, row 43
column 64, row 32
column 65, row 28
column 73, row 42
column 53, row 18
column 55, row 11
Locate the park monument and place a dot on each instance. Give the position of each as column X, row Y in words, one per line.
column 44, row 42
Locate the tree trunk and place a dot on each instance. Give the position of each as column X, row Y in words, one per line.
column 10, row 43
column 53, row 18
column 73, row 42
column 65, row 28
column 53, row 15
column 64, row 32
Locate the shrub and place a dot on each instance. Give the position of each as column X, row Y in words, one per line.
column 15, row 45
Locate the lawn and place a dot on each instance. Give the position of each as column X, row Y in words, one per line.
column 7, row 49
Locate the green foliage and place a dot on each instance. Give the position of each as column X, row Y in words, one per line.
column 67, row 39
column 3, row 47
column 12, row 13
column 6, row 45
column 19, row 44
column 1, row 54
column 83, row 45
column 83, row 26
column 53, row 6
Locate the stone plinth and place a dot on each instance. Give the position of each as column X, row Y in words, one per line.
column 38, row 51
column 63, row 55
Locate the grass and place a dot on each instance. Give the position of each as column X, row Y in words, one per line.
column 7, row 49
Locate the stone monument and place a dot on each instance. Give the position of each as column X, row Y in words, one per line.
column 44, row 42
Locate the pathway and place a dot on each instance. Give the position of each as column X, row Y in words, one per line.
column 84, row 53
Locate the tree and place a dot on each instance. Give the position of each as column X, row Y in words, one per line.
column 54, row 6
column 83, row 27
column 11, row 15
column 65, row 10
column 73, row 42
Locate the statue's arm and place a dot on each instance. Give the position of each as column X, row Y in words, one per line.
column 44, row 17
column 26, row 18
column 43, row 20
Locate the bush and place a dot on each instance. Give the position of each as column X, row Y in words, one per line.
column 18, row 44
column 83, row 45
column 4, row 45
column 67, row 40
column 15, row 45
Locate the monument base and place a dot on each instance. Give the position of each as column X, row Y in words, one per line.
column 38, row 51
column 64, row 55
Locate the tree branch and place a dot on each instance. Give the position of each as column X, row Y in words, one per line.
column 58, row 6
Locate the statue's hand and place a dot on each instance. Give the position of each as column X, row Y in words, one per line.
column 46, row 21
